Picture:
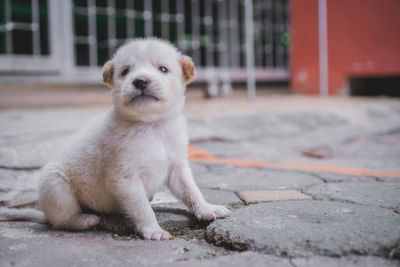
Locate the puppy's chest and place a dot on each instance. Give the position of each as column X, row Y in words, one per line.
column 155, row 146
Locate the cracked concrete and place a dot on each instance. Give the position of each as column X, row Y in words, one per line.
column 239, row 179
column 255, row 259
column 367, row 193
column 352, row 221
column 302, row 228
column 27, row 244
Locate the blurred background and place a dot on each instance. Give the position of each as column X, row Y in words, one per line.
column 323, row 122
column 319, row 47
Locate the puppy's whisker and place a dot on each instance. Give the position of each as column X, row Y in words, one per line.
column 127, row 98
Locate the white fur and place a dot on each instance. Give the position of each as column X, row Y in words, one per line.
column 119, row 160
column 27, row 214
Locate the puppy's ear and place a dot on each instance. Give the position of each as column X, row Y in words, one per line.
column 108, row 74
column 189, row 73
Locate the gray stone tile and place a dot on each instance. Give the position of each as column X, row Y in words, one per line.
column 18, row 186
column 364, row 261
column 249, row 258
column 259, row 196
column 28, row 244
column 301, row 228
column 368, row 193
column 240, row 178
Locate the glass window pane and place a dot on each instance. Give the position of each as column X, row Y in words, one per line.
column 82, row 54
column 21, row 11
column 22, row 42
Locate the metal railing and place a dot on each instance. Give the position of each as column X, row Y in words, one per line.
column 68, row 41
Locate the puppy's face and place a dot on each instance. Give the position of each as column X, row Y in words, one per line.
column 148, row 79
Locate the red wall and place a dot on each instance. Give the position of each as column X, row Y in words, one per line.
column 363, row 40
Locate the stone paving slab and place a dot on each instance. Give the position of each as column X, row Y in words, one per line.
column 212, row 196
column 366, row 261
column 219, row 197
column 29, row 138
column 357, row 134
column 199, row 167
column 30, row 155
column 330, row 177
column 279, row 136
column 249, row 258
column 283, row 151
column 368, row 193
column 29, row 244
column 373, row 151
column 175, row 215
column 225, row 177
column 389, row 179
column 39, row 121
column 258, row 196
column 173, row 218
column 297, row 124
column 238, row 260
column 281, row 125
column 301, row 228
column 17, row 186
column 367, row 137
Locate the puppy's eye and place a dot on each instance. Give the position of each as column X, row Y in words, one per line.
column 163, row 69
column 125, row 72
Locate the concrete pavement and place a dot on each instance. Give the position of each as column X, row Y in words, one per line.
column 352, row 218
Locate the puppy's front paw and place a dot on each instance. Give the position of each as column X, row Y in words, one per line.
column 211, row 212
column 155, row 233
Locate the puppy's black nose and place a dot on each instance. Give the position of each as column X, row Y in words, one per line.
column 140, row 83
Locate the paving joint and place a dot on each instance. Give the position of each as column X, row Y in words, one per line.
column 15, row 168
column 351, row 213
column 291, row 262
column 238, row 245
column 332, row 199
column 121, row 229
column 355, row 203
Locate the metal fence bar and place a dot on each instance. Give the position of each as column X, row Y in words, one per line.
column 180, row 27
column 165, row 19
column 223, row 46
column 234, row 33
column 208, row 23
column 61, row 45
column 242, row 33
column 35, row 27
column 222, row 35
column 278, row 33
column 196, row 23
column 111, row 17
column 130, row 14
column 220, row 38
column 9, row 27
column 323, row 48
column 269, row 33
column 251, row 82
column 147, row 17
column 258, row 31
column 92, row 33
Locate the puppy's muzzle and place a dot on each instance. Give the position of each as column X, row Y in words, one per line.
column 141, row 83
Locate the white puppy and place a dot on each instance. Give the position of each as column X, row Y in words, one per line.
column 119, row 160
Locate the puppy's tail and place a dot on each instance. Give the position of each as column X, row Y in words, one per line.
column 26, row 214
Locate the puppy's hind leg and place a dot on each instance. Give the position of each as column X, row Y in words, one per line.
column 61, row 206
